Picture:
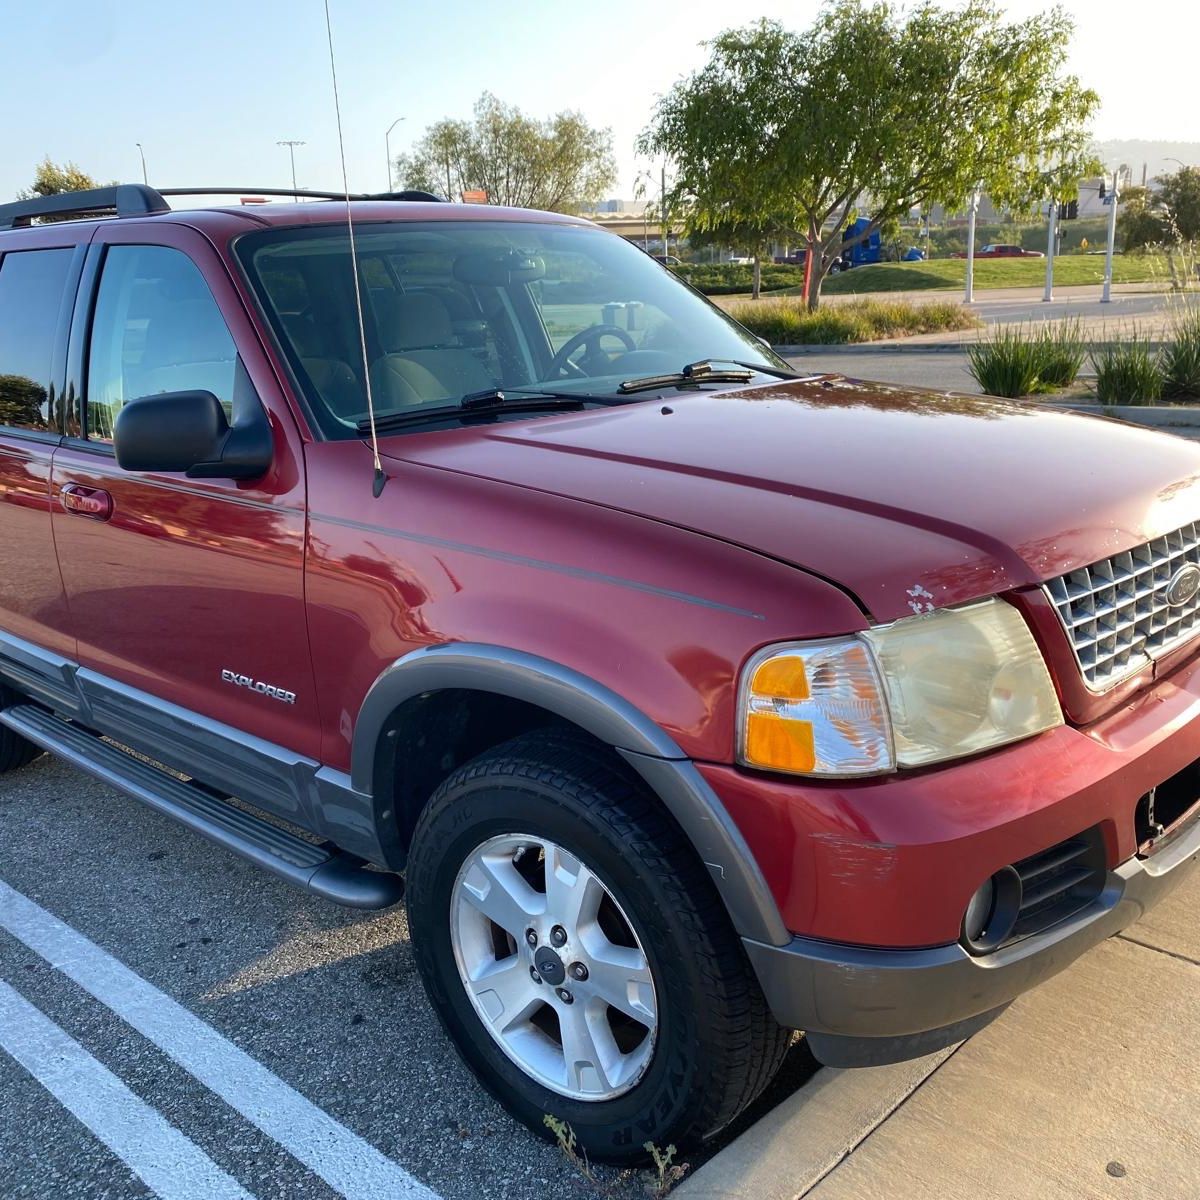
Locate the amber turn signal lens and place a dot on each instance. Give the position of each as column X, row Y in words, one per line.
column 815, row 709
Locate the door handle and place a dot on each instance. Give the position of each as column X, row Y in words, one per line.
column 87, row 502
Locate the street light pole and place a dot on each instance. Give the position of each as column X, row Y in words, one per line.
column 145, row 177
column 969, row 295
column 662, row 204
column 1052, row 223
column 291, row 147
column 1111, row 201
column 387, row 141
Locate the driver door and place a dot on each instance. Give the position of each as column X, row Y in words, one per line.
column 184, row 591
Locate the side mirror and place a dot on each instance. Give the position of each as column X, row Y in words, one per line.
column 189, row 432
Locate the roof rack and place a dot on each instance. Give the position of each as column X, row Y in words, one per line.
column 125, row 200
column 138, row 200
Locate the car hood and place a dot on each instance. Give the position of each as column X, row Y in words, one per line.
column 907, row 499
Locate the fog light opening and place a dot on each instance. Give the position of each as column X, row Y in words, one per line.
column 992, row 912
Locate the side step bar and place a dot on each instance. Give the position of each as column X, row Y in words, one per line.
column 322, row 869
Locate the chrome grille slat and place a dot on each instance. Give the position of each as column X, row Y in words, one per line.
column 1115, row 611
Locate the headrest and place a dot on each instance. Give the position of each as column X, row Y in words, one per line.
column 414, row 322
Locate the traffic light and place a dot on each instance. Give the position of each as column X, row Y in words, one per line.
column 1068, row 210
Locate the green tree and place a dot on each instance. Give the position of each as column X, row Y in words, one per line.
column 877, row 109
column 51, row 179
column 561, row 164
column 1179, row 203
column 21, row 402
column 1139, row 224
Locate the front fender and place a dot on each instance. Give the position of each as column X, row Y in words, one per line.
column 608, row 717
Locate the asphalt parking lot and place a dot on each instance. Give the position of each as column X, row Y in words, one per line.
column 224, row 1033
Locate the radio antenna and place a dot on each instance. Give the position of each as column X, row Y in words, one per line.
column 380, row 477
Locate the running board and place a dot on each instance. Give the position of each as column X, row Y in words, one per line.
column 322, row 869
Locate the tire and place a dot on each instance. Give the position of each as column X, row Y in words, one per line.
column 713, row 1044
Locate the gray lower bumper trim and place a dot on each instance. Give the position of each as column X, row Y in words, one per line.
column 855, row 992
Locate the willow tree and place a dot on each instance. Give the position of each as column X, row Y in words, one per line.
column 874, row 109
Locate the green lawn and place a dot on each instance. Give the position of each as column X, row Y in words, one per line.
column 995, row 273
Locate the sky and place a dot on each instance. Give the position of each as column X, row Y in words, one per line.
column 209, row 89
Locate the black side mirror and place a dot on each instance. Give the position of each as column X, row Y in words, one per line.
column 189, row 432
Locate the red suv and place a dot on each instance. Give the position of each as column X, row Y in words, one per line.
column 694, row 701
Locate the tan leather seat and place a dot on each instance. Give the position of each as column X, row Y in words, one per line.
column 424, row 363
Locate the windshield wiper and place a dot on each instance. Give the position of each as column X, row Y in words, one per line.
column 697, row 372
column 705, row 371
column 474, row 404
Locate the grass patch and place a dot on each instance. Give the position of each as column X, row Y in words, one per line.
column 1069, row 270
column 1128, row 372
column 1181, row 359
column 787, row 322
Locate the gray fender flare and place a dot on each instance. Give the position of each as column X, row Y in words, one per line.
column 667, row 771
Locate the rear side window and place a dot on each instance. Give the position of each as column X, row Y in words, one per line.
column 32, row 283
column 156, row 329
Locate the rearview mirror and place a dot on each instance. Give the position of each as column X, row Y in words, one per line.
column 189, row 432
column 489, row 269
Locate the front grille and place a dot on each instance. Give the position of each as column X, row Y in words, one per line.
column 1116, row 613
column 1059, row 882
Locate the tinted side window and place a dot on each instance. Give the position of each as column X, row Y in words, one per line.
column 156, row 329
column 31, row 295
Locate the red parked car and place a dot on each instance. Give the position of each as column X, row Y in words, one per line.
column 1001, row 250
column 692, row 701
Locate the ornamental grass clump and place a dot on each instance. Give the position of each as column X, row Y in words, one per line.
column 1128, row 372
column 1006, row 362
column 1181, row 360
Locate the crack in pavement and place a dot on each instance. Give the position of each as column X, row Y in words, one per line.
column 1158, row 949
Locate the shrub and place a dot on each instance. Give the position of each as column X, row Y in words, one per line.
column 786, row 321
column 1181, row 360
column 1060, row 353
column 728, row 279
column 1006, row 363
column 1128, row 372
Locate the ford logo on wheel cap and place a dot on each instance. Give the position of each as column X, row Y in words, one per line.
column 1184, row 585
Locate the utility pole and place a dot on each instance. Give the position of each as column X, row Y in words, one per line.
column 387, row 141
column 1111, row 201
column 969, row 294
column 145, row 177
column 1051, row 238
column 291, row 149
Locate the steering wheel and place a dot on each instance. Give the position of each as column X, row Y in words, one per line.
column 586, row 337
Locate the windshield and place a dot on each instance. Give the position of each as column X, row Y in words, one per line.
column 454, row 308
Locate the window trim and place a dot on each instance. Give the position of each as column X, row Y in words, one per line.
column 57, row 381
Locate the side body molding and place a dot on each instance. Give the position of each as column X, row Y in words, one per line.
column 608, row 717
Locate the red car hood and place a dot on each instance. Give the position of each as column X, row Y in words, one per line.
column 907, row 499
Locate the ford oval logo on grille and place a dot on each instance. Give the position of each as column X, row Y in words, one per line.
column 1184, row 585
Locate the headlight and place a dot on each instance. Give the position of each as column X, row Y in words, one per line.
column 921, row 690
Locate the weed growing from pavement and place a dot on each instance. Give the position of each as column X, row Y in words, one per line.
column 656, row 1183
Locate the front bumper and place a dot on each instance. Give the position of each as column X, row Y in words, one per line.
column 863, row 1006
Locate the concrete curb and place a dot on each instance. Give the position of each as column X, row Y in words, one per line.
column 910, row 347
column 788, row 1152
column 1155, row 416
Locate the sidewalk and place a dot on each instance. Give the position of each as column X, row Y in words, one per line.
column 1087, row 1088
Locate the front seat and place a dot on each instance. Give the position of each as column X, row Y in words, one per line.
column 334, row 381
column 424, row 362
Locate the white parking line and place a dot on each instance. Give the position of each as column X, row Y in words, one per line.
column 341, row 1158
column 170, row 1165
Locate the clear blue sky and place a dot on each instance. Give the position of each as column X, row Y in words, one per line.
column 209, row 88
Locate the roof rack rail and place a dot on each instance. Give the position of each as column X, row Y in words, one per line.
column 138, row 200
column 428, row 197
column 125, row 200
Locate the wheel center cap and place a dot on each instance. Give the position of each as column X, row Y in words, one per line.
column 550, row 966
